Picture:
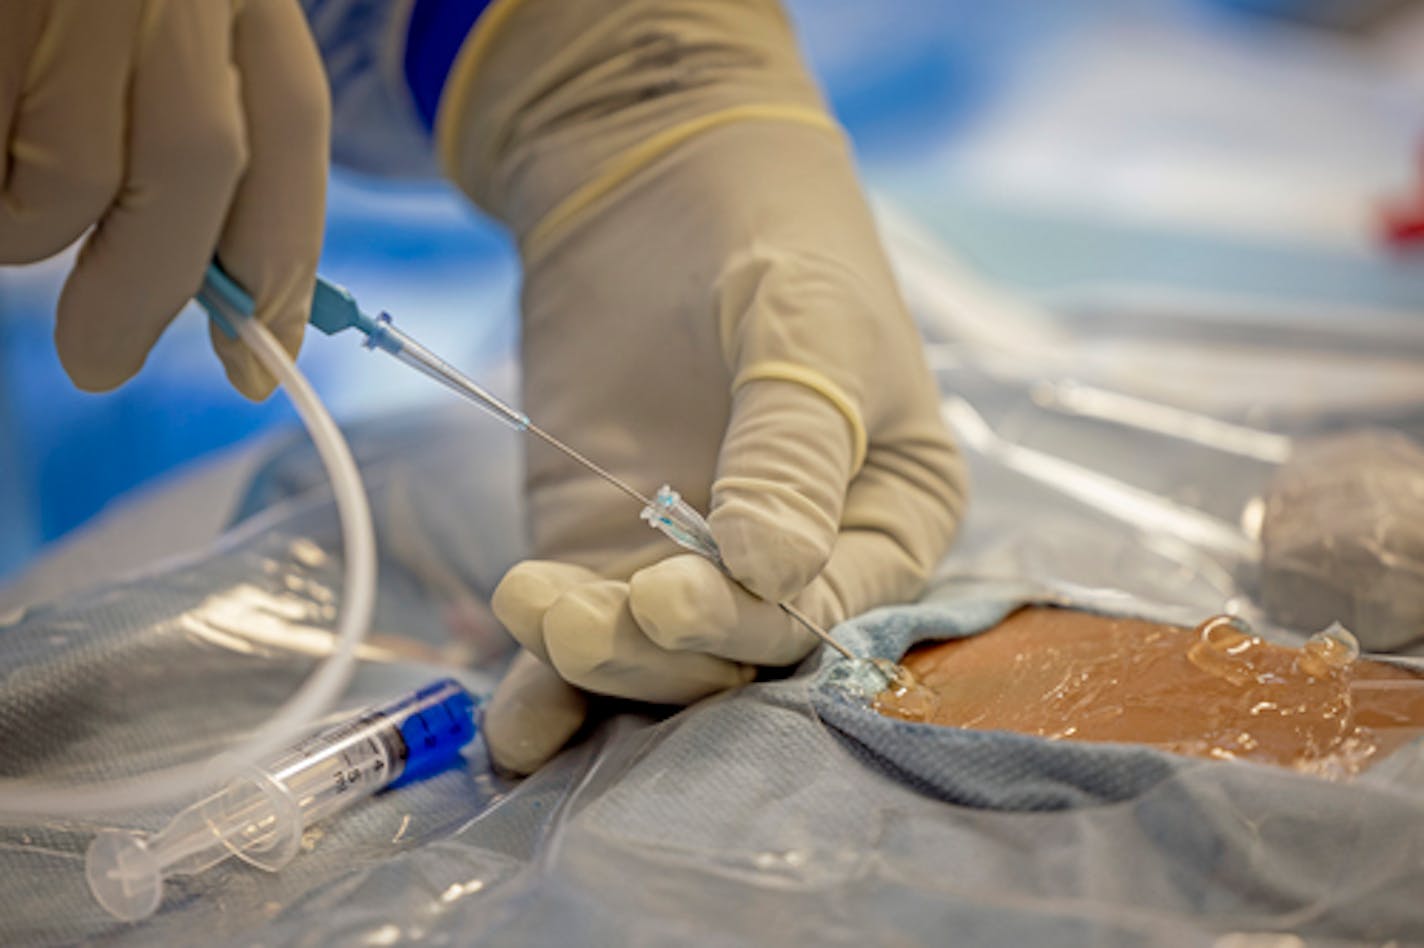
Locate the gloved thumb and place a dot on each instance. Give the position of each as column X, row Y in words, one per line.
column 781, row 484
column 531, row 715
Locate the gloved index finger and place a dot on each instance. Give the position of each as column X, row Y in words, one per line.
column 782, row 474
column 799, row 326
column 186, row 152
column 684, row 603
column 528, row 591
column 272, row 237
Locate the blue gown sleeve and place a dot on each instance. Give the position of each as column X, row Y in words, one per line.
column 386, row 63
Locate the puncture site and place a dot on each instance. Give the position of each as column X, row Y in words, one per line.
column 1217, row 691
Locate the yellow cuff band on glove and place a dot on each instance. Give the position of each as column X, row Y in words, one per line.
column 821, row 385
column 455, row 103
column 458, row 85
column 558, row 221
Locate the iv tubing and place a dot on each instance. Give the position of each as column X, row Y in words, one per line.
column 25, row 797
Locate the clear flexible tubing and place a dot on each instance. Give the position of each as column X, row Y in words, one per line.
column 22, row 797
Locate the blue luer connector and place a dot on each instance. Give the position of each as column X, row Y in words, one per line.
column 224, row 300
column 435, row 723
column 333, row 308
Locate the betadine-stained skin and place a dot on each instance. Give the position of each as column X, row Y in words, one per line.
column 1216, row 691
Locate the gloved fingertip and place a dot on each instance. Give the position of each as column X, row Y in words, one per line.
column 522, row 739
column 531, row 715
column 580, row 630
column 594, row 642
column 773, row 542
column 527, row 592
column 244, row 372
column 683, row 603
column 95, row 377
column 93, row 360
column 290, row 330
column 687, row 604
column 251, row 378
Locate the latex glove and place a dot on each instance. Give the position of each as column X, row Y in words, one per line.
column 175, row 130
column 705, row 303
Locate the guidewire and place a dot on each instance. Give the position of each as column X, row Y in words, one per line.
column 632, row 492
column 335, row 310
column 577, row 456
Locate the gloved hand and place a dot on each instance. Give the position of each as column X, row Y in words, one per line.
column 705, row 303
column 175, row 129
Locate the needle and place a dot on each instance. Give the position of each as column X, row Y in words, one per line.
column 335, row 310
column 611, row 478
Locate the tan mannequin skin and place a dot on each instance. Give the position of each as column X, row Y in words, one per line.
column 1216, row 691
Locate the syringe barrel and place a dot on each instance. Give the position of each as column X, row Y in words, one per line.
column 337, row 766
column 259, row 816
column 410, row 738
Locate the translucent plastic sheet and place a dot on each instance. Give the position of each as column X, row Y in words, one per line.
column 1343, row 535
column 174, row 665
column 760, row 816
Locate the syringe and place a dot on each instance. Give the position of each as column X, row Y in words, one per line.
column 260, row 817
column 335, row 310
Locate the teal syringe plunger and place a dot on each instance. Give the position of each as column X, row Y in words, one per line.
column 334, row 310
